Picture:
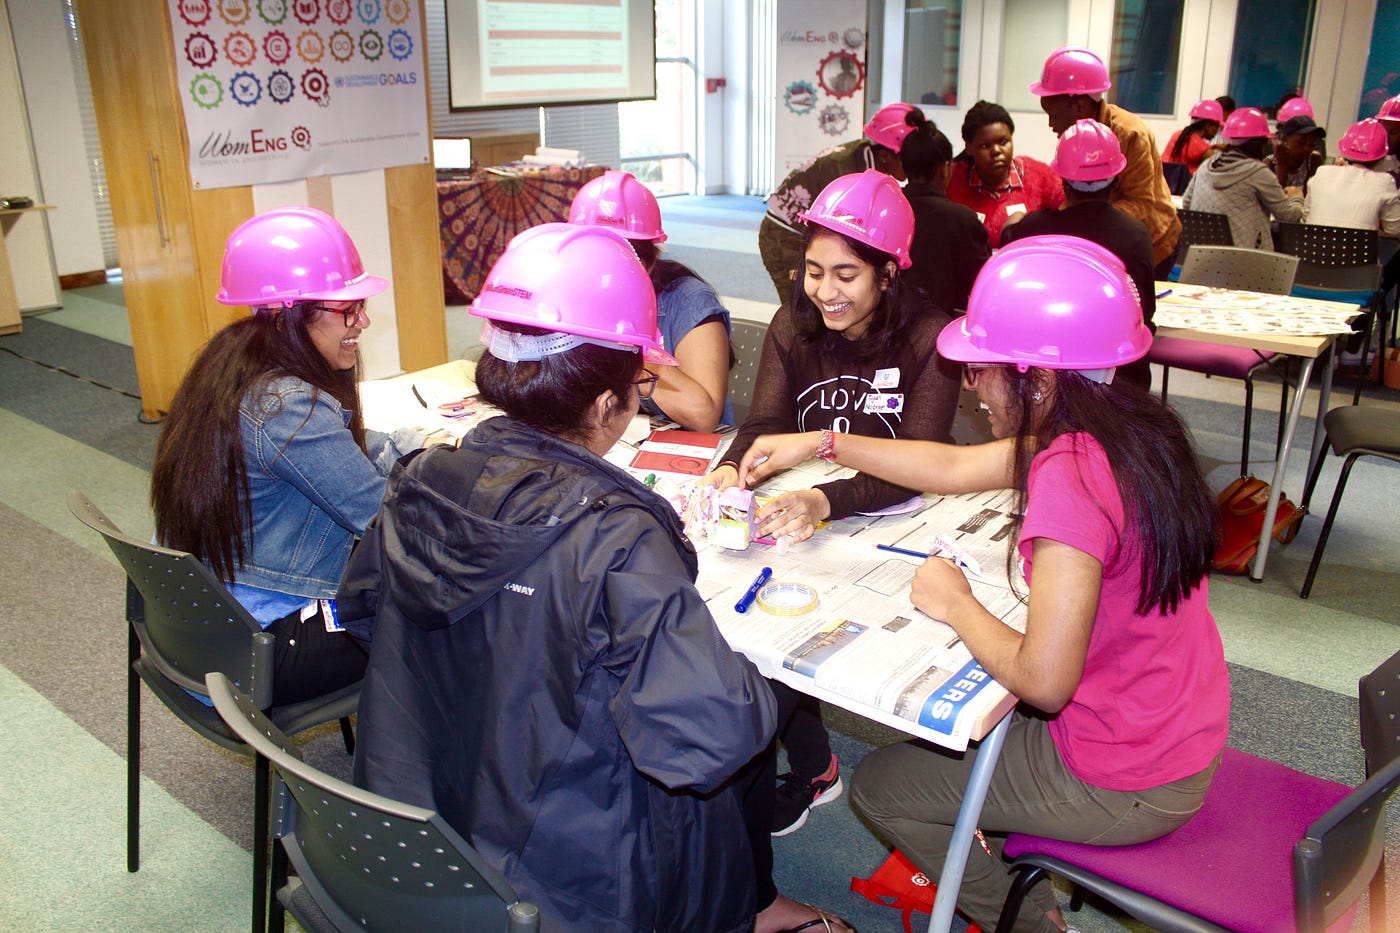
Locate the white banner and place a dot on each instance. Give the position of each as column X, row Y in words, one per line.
column 821, row 78
column 276, row 90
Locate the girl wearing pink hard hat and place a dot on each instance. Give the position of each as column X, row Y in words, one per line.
column 262, row 469
column 1116, row 559
column 1236, row 183
column 1357, row 193
column 854, row 353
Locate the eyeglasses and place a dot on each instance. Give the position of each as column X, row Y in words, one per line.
column 972, row 371
column 350, row 313
column 646, row 383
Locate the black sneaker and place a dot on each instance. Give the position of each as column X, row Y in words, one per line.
column 796, row 798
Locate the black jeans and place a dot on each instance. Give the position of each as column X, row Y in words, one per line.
column 310, row 661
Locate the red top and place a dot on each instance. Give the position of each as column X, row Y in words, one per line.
column 1032, row 186
column 1191, row 154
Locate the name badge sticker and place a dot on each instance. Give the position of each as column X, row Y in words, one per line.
column 886, row 378
column 884, row 403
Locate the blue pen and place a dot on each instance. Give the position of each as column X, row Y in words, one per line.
column 1164, row 294
column 901, row 550
column 747, row 600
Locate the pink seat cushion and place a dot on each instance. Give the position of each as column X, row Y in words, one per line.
column 1232, row 864
column 1201, row 357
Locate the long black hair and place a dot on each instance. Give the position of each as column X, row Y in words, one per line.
column 199, row 482
column 1166, row 501
column 888, row 323
column 1194, row 128
column 662, row 271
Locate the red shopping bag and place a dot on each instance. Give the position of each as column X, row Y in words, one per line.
column 898, row 884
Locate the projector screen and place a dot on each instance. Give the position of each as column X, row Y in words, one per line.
column 520, row 53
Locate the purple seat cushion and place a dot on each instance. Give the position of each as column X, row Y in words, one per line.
column 1232, row 864
column 1201, row 357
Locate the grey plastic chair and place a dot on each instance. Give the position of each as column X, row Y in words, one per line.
column 363, row 861
column 1339, row 264
column 1229, row 267
column 1380, row 739
column 1352, row 431
column 1202, row 228
column 182, row 624
column 746, row 337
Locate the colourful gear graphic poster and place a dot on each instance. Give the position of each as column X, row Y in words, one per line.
column 820, row 79
column 278, row 90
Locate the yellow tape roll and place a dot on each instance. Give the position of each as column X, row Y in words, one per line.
column 787, row 599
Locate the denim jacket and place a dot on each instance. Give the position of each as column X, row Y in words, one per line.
column 311, row 489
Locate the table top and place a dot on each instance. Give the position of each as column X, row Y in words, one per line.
column 24, row 210
column 863, row 647
column 1212, row 304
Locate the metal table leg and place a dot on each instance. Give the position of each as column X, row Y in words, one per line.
column 988, row 751
column 1266, row 533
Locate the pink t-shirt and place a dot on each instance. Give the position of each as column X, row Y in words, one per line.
column 1153, row 705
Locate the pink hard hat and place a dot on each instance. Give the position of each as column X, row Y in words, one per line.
column 1088, row 151
column 1072, row 70
column 1208, row 109
column 1295, row 106
column 1365, row 141
column 1057, row 302
column 889, row 126
column 868, row 207
column 574, row 279
column 292, row 254
column 618, row 200
column 1246, row 123
column 1390, row 110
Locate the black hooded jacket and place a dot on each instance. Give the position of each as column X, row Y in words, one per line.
column 544, row 673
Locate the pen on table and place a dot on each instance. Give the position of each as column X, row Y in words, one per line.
column 1165, row 293
column 418, row 395
column 747, row 599
column 901, row 550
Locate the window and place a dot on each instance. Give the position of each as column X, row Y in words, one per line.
column 1383, row 65
column 932, row 34
column 1143, row 62
column 656, row 136
column 1031, row 30
column 1270, row 53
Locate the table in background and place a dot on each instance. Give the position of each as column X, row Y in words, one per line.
column 479, row 212
column 1196, row 299
column 9, row 299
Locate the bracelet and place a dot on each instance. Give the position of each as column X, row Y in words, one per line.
column 826, row 450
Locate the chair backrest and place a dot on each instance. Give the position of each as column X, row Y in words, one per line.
column 1178, row 176
column 1251, row 270
column 1338, row 855
column 1380, row 714
column 1204, row 228
column 187, row 621
column 746, row 337
column 1334, row 258
column 368, row 861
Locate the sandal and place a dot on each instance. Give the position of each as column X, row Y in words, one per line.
column 825, row 924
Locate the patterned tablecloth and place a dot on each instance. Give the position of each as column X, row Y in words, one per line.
column 480, row 212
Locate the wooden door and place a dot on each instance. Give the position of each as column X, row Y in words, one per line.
column 169, row 238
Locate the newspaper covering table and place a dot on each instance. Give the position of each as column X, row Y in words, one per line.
column 865, row 647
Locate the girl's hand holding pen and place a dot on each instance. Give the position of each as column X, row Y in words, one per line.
column 940, row 589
